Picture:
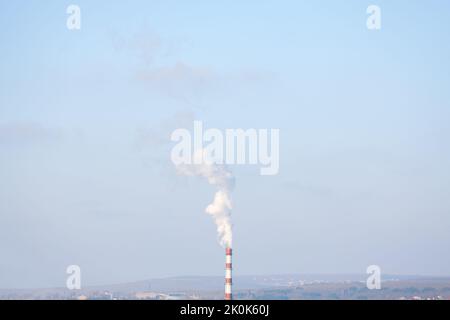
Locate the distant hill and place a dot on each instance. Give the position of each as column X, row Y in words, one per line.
column 212, row 287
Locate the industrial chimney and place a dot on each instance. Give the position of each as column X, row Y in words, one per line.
column 228, row 253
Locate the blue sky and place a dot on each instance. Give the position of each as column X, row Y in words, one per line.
column 85, row 118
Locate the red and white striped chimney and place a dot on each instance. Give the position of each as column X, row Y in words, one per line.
column 228, row 267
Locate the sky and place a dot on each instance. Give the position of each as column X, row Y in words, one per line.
column 86, row 117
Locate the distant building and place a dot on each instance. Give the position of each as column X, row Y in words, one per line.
column 146, row 295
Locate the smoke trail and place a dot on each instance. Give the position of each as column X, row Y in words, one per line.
column 223, row 180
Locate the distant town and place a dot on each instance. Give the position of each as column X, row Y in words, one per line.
column 274, row 287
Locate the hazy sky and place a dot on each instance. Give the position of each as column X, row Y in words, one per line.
column 85, row 119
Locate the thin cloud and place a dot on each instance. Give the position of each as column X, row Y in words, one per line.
column 146, row 45
column 28, row 133
column 179, row 81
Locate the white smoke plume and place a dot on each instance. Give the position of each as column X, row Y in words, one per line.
column 223, row 180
